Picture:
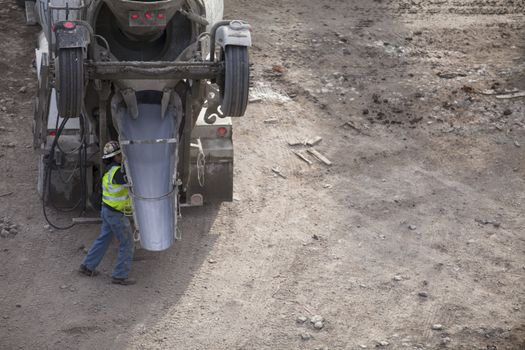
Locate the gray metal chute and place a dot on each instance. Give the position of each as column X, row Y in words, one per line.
column 149, row 143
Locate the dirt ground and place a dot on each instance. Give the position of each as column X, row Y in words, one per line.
column 419, row 222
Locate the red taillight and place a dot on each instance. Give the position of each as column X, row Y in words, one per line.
column 52, row 133
column 148, row 15
column 69, row 25
column 222, row 131
column 135, row 16
column 160, row 16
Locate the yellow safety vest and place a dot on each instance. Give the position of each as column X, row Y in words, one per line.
column 116, row 196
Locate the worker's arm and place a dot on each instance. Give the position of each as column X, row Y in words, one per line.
column 118, row 178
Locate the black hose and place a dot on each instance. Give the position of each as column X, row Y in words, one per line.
column 83, row 178
column 79, row 150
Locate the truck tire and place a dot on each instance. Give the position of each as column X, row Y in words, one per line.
column 70, row 82
column 236, row 82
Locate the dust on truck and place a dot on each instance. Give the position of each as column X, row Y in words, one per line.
column 165, row 78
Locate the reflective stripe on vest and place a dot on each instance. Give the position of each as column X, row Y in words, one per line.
column 116, row 196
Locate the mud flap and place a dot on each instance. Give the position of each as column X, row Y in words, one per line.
column 213, row 179
column 150, row 143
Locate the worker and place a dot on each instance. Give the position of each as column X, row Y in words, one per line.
column 115, row 203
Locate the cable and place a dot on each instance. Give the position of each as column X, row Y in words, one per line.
column 82, row 160
column 78, row 149
column 47, row 177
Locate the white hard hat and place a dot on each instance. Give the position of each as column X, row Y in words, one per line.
column 111, row 149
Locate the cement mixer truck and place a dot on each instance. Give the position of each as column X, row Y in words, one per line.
column 164, row 78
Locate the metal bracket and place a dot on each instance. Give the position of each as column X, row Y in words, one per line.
column 195, row 18
column 147, row 142
column 234, row 33
column 213, row 108
column 131, row 101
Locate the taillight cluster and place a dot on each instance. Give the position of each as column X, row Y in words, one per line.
column 147, row 18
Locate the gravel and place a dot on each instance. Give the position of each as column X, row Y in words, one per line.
column 305, row 336
column 316, row 318
column 301, row 319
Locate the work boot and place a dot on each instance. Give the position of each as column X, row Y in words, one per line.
column 123, row 281
column 87, row 272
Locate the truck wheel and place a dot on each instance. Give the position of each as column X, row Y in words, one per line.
column 70, row 82
column 236, row 84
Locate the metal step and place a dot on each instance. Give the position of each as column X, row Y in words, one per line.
column 87, row 221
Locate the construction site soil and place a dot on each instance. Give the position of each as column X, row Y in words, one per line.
column 414, row 238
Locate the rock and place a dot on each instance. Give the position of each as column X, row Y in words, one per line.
column 362, row 346
column 507, row 112
column 301, row 319
column 398, row 278
column 437, row 327
column 211, row 261
column 279, row 69
column 23, row 90
column 305, row 336
column 47, row 227
column 384, row 343
column 412, row 227
column 63, row 286
column 316, row 318
column 318, row 325
column 445, row 341
column 4, row 233
column 423, row 294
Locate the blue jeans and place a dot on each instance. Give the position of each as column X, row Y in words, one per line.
column 113, row 224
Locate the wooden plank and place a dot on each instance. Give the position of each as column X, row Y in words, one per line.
column 319, row 156
column 314, row 141
column 296, row 143
column 512, row 95
column 278, row 172
column 302, row 157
